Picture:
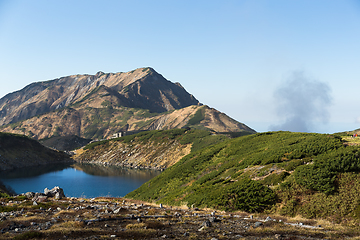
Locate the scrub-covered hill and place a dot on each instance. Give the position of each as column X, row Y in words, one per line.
column 18, row 151
column 313, row 175
column 157, row 149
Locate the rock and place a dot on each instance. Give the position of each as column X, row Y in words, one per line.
column 29, row 194
column 42, row 198
column 39, row 197
column 47, row 192
column 56, row 192
column 214, row 219
column 257, row 224
column 116, row 211
column 59, row 195
column 206, row 224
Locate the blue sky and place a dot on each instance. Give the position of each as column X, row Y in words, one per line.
column 231, row 55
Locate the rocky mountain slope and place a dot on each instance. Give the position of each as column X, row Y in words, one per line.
column 97, row 106
column 141, row 88
column 18, row 151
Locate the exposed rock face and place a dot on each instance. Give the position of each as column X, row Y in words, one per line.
column 141, row 88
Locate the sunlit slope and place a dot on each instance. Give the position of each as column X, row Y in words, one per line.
column 157, row 149
column 276, row 171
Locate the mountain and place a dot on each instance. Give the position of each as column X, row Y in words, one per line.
column 97, row 106
column 18, row 151
column 65, row 143
column 142, row 88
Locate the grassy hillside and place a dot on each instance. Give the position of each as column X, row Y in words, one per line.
column 313, row 175
column 200, row 138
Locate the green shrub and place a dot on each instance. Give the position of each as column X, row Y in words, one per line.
column 321, row 175
column 312, row 177
column 248, row 195
column 197, row 117
column 275, row 178
column 291, row 165
column 94, row 144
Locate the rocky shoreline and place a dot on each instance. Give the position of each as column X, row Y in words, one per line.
column 156, row 156
column 57, row 217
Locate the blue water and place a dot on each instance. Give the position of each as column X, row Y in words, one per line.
column 78, row 180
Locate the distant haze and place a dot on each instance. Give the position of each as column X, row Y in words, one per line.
column 301, row 102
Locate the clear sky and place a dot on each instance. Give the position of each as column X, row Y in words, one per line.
column 266, row 63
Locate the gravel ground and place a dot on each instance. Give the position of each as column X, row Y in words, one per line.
column 118, row 218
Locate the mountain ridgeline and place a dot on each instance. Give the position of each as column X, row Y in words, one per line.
column 97, row 106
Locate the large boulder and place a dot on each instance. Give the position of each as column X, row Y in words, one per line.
column 39, row 197
column 56, row 192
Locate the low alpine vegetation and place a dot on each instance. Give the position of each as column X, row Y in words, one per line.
column 276, row 172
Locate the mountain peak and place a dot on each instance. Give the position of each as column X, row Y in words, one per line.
column 99, row 73
column 139, row 88
column 96, row 106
